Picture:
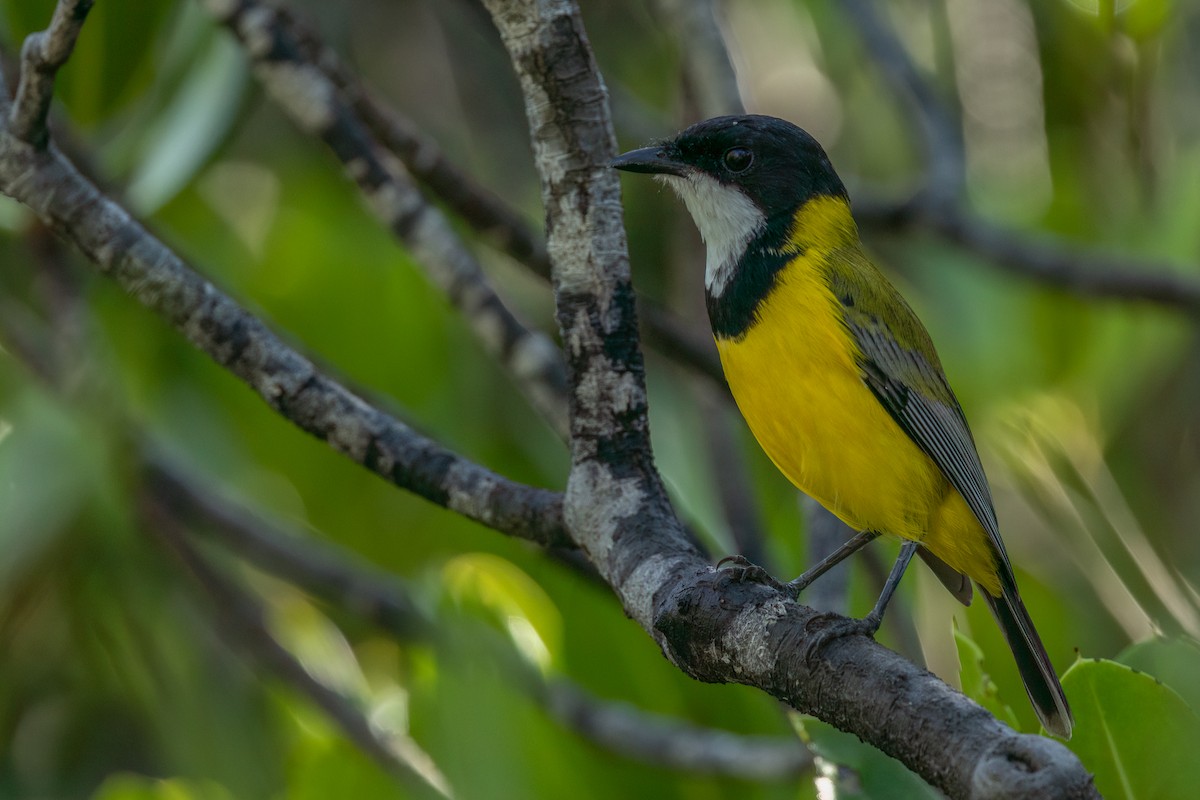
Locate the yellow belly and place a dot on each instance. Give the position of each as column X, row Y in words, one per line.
column 795, row 379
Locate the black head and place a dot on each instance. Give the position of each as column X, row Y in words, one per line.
column 774, row 163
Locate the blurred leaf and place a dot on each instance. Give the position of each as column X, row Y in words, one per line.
column 178, row 141
column 49, row 464
column 1145, row 19
column 317, row 642
column 513, row 598
column 684, row 457
column 872, row 774
column 1135, row 734
column 322, row 765
column 977, row 684
column 124, row 786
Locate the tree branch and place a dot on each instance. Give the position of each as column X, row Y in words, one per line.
column 1048, row 260
column 941, row 137
column 488, row 214
column 939, row 206
column 313, row 101
column 710, row 625
column 713, row 627
column 320, row 569
column 328, row 572
column 240, row 619
column 707, row 68
column 156, row 277
column 41, row 57
column 665, row 742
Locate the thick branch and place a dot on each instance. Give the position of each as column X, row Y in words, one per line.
column 313, row 101
column 41, row 57
column 724, row 631
column 712, row 627
column 613, row 482
column 122, row 249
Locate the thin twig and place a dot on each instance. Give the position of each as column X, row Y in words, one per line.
column 707, row 68
column 334, row 575
column 665, row 742
column 710, row 624
column 941, row 136
column 240, row 618
column 313, row 101
column 290, row 384
column 487, row 213
column 669, row 336
column 1048, row 260
column 41, row 57
column 322, row 569
column 938, row 207
column 1080, row 271
column 824, row 533
column 731, row 476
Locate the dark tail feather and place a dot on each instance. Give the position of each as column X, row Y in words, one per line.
column 1037, row 673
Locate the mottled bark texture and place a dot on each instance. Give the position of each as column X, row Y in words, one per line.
column 296, row 78
column 42, row 179
column 713, row 627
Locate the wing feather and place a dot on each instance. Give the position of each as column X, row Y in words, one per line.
column 902, row 370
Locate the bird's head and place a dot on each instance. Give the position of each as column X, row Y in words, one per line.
column 739, row 176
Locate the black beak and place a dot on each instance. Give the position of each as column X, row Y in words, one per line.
column 656, row 160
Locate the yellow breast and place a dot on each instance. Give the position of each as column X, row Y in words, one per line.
column 796, row 378
column 797, row 384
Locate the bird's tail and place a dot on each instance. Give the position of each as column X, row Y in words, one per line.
column 1037, row 673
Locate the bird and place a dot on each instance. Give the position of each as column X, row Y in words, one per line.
column 835, row 375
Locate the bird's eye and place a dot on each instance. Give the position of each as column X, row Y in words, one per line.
column 738, row 159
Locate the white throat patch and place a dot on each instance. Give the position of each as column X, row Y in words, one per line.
column 727, row 220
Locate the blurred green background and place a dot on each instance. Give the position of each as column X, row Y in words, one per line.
column 1081, row 119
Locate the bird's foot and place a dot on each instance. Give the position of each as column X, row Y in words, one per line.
column 830, row 626
column 745, row 571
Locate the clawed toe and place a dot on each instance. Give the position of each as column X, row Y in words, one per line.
column 832, row 626
column 745, row 571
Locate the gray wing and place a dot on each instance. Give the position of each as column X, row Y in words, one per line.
column 932, row 418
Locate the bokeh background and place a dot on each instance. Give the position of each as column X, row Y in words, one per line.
column 1081, row 123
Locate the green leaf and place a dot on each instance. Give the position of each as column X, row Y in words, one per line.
column 852, row 769
column 50, row 464
column 1145, row 19
column 126, row 786
column 1172, row 661
column 514, row 599
column 977, row 684
column 183, row 134
column 1135, row 734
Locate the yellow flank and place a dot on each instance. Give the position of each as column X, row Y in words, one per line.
column 797, row 383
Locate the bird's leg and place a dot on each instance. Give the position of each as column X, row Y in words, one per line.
column 838, row 626
column 752, row 572
column 851, row 546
